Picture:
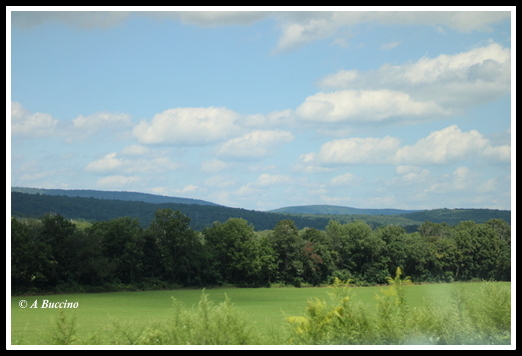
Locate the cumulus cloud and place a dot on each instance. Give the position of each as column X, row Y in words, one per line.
column 460, row 179
column 128, row 164
column 346, row 179
column 451, row 145
column 299, row 29
column 109, row 162
column 135, row 150
column 390, row 45
column 356, row 150
column 188, row 126
column 450, row 81
column 365, row 106
column 254, row 145
column 102, row 121
column 26, row 123
column 187, row 188
column 268, row 180
column 214, row 165
column 445, row 146
column 117, row 181
column 212, row 18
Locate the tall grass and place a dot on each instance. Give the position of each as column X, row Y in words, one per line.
column 206, row 324
column 483, row 319
column 472, row 317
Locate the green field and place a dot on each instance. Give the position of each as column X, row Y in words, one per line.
column 264, row 309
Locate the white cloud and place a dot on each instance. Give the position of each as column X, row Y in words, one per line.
column 448, row 81
column 187, row 188
column 445, row 146
column 355, row 150
column 255, row 144
column 135, row 150
column 188, row 126
column 346, row 179
column 390, row 45
column 365, row 106
column 450, row 145
column 269, row 180
column 461, row 179
column 299, row 29
column 26, row 123
column 214, row 165
column 213, row 18
column 117, row 181
column 101, row 121
column 220, row 182
column 339, row 80
column 276, row 119
column 150, row 164
column 109, row 162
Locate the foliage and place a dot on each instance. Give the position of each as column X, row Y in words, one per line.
column 55, row 254
column 481, row 320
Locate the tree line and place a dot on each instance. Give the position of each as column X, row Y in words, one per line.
column 54, row 254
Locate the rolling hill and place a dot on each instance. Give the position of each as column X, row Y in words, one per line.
column 93, row 205
column 112, row 195
column 338, row 210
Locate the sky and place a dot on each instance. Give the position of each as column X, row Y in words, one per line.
column 259, row 108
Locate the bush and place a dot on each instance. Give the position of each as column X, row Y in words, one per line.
column 483, row 319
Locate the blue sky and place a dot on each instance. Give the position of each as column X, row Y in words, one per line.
column 264, row 109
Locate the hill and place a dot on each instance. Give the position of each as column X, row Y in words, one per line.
column 93, row 209
column 94, row 205
column 338, row 210
column 454, row 216
column 112, row 195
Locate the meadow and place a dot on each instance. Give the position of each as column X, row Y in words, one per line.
column 456, row 313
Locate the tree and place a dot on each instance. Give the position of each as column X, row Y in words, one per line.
column 288, row 246
column 485, row 251
column 180, row 248
column 122, row 243
column 232, row 251
column 31, row 259
column 59, row 233
column 317, row 256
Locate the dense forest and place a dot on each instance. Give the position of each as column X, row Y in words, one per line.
column 203, row 216
column 55, row 254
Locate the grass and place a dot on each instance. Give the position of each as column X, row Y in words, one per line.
column 255, row 316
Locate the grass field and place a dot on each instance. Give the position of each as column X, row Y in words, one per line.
column 264, row 309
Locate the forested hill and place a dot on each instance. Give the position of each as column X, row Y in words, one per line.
column 92, row 209
column 112, row 195
column 338, row 210
column 201, row 216
column 454, row 216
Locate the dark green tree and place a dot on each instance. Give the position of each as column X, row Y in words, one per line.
column 180, row 248
column 288, row 251
column 318, row 259
column 59, row 233
column 234, row 253
column 122, row 243
column 31, row 258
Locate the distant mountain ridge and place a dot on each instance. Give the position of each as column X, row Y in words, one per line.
column 338, row 210
column 113, row 195
column 95, row 205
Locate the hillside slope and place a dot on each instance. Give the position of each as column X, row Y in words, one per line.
column 338, row 210
column 92, row 209
column 112, row 195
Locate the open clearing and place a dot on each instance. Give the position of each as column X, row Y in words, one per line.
column 266, row 307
